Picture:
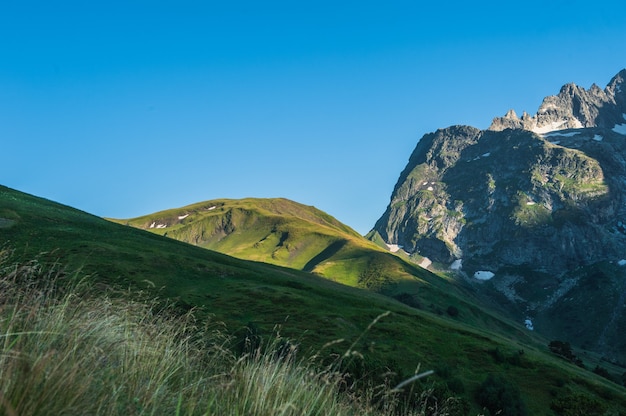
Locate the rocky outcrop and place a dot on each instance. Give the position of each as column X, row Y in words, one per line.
column 539, row 201
column 418, row 216
column 499, row 198
column 573, row 107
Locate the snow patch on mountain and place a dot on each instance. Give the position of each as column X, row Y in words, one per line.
column 425, row 263
column 483, row 275
column 620, row 129
column 394, row 248
column 549, row 127
column 456, row 264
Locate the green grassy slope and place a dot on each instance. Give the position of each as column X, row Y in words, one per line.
column 309, row 309
column 276, row 231
column 286, row 233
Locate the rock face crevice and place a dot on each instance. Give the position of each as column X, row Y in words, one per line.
column 537, row 200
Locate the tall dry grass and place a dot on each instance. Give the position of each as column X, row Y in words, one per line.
column 70, row 347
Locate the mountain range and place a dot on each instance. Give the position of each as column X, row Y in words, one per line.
column 463, row 340
column 499, row 247
column 529, row 215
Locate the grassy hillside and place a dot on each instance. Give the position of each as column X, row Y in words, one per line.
column 310, row 310
column 70, row 346
column 286, row 233
column 276, row 231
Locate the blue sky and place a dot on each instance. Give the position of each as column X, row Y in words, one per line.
column 125, row 108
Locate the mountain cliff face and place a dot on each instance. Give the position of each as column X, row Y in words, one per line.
column 532, row 210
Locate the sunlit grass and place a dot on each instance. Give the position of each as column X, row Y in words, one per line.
column 67, row 347
column 78, row 351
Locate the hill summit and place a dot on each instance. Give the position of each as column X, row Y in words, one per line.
column 288, row 234
column 531, row 210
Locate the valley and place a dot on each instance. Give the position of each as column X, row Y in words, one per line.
column 310, row 310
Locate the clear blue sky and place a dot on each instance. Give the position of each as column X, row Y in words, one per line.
column 122, row 108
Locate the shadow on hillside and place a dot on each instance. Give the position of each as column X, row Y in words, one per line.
column 325, row 254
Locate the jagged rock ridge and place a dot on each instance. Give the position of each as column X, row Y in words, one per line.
column 539, row 203
column 573, row 107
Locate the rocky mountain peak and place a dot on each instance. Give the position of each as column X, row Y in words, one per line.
column 572, row 107
column 617, row 89
column 535, row 205
column 617, row 80
column 511, row 115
